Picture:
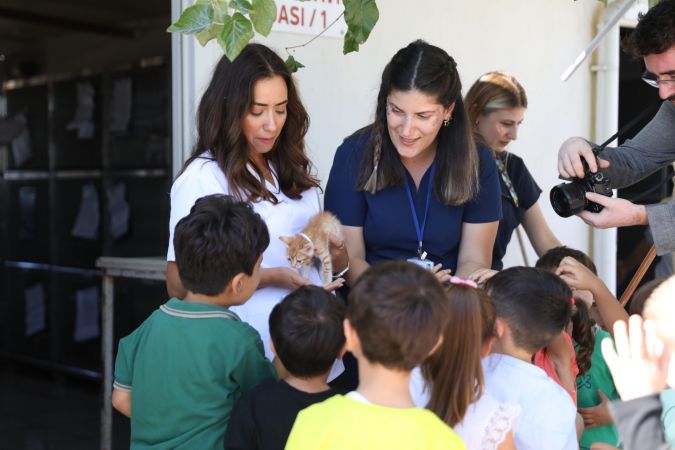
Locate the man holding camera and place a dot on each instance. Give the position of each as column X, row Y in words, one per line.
column 652, row 148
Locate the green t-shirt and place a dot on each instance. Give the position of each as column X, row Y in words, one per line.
column 668, row 415
column 597, row 377
column 185, row 366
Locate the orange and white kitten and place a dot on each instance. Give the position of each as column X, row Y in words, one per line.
column 313, row 242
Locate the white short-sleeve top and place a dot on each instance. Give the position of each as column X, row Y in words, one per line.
column 548, row 415
column 286, row 218
column 486, row 421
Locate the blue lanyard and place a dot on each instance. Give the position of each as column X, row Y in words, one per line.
column 420, row 231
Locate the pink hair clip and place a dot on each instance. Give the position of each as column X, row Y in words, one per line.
column 463, row 282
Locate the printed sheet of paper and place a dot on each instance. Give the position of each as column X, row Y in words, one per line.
column 87, row 324
column 36, row 311
column 27, row 212
column 120, row 111
column 118, row 208
column 21, row 145
column 83, row 121
column 89, row 216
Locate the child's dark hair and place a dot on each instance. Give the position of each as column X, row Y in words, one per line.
column 582, row 323
column 454, row 370
column 551, row 259
column 220, row 238
column 639, row 298
column 488, row 318
column 399, row 312
column 536, row 305
column 306, row 329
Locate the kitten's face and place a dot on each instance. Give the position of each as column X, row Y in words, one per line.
column 300, row 252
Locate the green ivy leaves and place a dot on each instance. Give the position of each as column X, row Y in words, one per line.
column 209, row 19
column 236, row 32
column 293, row 64
column 194, row 19
column 361, row 16
column 233, row 24
column 263, row 14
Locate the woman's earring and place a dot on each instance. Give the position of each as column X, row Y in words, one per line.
column 446, row 122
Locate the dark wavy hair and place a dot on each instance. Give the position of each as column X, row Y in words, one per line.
column 222, row 108
column 428, row 69
column 654, row 33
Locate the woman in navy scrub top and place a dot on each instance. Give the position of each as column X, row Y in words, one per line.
column 412, row 186
column 496, row 105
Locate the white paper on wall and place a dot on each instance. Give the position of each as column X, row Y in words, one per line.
column 27, row 212
column 89, row 216
column 87, row 314
column 36, row 312
column 83, row 121
column 119, row 211
column 21, row 145
column 120, row 110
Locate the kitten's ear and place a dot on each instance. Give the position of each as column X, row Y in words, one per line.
column 286, row 240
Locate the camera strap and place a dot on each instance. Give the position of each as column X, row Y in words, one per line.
column 639, row 273
column 651, row 253
column 631, row 124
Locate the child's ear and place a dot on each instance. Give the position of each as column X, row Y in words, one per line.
column 437, row 346
column 352, row 342
column 237, row 282
column 500, row 328
column 286, row 240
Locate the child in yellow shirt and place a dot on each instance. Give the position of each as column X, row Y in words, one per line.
column 395, row 318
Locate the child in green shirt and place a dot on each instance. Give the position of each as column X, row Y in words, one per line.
column 178, row 375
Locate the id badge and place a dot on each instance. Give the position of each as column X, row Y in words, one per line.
column 423, row 263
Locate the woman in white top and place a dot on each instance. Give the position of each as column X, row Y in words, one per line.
column 452, row 378
column 251, row 128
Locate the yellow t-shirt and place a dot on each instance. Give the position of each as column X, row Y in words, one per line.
column 345, row 423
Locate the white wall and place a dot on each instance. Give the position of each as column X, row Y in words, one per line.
column 533, row 39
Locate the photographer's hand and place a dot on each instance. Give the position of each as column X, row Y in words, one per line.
column 569, row 158
column 617, row 212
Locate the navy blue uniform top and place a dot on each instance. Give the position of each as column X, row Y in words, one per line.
column 386, row 218
column 528, row 193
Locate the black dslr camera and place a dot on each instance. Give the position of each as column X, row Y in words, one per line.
column 570, row 198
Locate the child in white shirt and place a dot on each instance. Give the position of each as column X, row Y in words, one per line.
column 533, row 306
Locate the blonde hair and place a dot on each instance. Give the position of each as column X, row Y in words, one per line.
column 492, row 92
column 660, row 308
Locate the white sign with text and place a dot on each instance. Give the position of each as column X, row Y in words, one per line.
column 310, row 17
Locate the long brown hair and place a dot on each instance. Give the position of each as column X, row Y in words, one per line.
column 454, row 370
column 492, row 92
column 224, row 104
column 429, row 69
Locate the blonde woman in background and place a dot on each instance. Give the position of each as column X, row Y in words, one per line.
column 496, row 104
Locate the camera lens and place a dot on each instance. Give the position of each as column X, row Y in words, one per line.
column 568, row 198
